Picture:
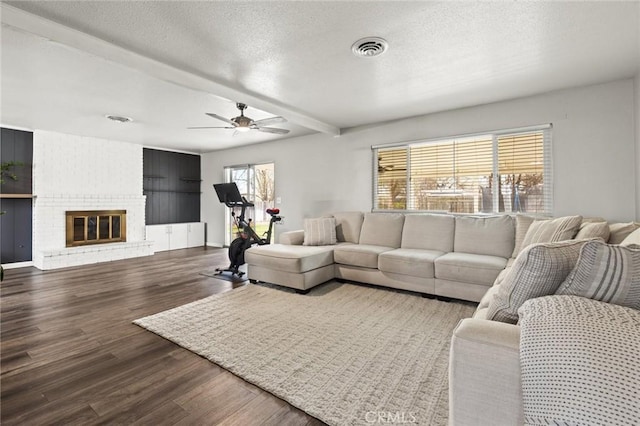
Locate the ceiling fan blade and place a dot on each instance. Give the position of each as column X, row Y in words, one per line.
column 273, row 130
column 208, row 127
column 269, row 121
column 226, row 120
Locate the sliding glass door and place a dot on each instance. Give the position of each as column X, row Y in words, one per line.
column 256, row 183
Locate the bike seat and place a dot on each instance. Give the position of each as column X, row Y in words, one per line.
column 273, row 211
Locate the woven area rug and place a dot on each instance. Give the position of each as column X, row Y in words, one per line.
column 344, row 353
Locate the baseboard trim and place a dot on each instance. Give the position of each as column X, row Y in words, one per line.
column 17, row 265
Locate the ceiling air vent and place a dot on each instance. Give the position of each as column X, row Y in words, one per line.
column 369, row 47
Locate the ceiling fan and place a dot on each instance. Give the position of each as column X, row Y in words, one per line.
column 389, row 168
column 242, row 123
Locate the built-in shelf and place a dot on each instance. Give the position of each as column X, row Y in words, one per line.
column 17, row 196
column 171, row 184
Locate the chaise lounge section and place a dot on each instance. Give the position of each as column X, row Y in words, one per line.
column 294, row 266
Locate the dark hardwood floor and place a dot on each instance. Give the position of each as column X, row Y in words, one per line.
column 69, row 353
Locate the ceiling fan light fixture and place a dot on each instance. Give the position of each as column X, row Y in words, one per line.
column 242, row 129
column 242, row 121
column 369, row 47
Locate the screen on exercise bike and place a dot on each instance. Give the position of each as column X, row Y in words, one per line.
column 228, row 193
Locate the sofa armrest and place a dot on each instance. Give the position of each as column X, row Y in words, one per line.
column 485, row 387
column 292, row 238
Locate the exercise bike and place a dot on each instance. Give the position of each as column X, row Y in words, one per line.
column 229, row 195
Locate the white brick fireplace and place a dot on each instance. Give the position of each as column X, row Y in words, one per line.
column 83, row 173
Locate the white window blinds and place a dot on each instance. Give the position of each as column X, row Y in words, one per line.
column 497, row 172
column 391, row 184
column 524, row 171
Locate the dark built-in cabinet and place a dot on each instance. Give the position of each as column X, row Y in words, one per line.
column 171, row 182
column 16, row 199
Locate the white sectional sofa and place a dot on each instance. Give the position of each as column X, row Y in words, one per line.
column 442, row 255
column 551, row 350
column 476, row 259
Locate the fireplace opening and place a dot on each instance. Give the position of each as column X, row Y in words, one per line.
column 96, row 227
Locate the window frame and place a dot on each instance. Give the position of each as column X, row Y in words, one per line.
column 494, row 135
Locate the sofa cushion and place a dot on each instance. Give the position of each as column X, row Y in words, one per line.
column 413, row 262
column 593, row 230
column 348, row 226
column 620, row 231
column 363, row 255
column 469, row 267
column 538, row 271
column 552, row 230
column 428, row 231
column 290, row 258
column 320, row 231
column 492, row 236
column 382, row 229
column 610, row 273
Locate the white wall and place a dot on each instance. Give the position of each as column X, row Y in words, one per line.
column 637, row 176
column 594, row 156
column 81, row 173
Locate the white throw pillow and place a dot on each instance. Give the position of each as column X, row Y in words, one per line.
column 593, row 230
column 552, row 230
column 620, row 231
column 523, row 223
column 320, row 231
column 633, row 239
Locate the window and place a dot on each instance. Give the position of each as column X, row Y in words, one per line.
column 507, row 171
column 256, row 183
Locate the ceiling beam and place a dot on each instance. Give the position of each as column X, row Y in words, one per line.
column 75, row 39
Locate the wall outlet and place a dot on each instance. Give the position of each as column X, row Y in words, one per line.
column 278, row 200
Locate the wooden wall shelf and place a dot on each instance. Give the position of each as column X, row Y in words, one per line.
column 17, row 196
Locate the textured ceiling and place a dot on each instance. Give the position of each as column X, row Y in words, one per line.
column 294, row 59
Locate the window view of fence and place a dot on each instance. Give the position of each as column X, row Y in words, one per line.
column 256, row 183
column 481, row 174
